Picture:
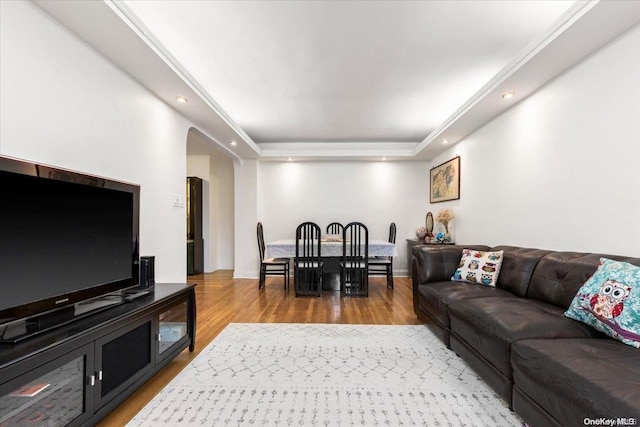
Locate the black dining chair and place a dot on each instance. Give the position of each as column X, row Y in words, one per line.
column 335, row 228
column 307, row 265
column 271, row 266
column 383, row 265
column 354, row 266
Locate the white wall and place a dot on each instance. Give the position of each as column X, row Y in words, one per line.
column 246, row 216
column 64, row 105
column 374, row 193
column 560, row 170
column 223, row 213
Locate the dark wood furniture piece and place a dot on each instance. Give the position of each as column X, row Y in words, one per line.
column 195, row 241
column 354, row 266
column 271, row 266
column 76, row 374
column 335, row 228
column 383, row 265
column 307, row 265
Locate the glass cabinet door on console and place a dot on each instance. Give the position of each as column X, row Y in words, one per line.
column 172, row 327
column 54, row 394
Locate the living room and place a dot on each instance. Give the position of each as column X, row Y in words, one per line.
column 556, row 169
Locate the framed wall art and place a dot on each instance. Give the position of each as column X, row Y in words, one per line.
column 444, row 181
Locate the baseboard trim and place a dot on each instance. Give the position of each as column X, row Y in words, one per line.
column 249, row 274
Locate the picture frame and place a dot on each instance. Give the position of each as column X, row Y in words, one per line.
column 444, row 181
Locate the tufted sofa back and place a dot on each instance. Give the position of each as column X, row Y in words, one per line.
column 559, row 275
column 551, row 277
column 518, row 265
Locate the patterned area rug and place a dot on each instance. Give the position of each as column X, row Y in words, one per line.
column 327, row 375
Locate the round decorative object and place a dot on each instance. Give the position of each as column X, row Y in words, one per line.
column 421, row 232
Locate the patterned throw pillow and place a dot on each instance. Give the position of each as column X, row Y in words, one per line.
column 479, row 267
column 610, row 301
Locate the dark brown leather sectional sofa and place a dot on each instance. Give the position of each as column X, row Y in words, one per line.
column 551, row 370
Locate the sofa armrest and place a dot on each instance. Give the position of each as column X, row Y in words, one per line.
column 433, row 264
column 437, row 263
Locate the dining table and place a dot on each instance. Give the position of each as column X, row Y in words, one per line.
column 286, row 248
column 330, row 251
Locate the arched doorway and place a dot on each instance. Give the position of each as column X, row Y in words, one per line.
column 207, row 161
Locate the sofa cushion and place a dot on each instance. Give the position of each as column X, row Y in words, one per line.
column 574, row 379
column 610, row 301
column 438, row 295
column 559, row 275
column 518, row 265
column 490, row 325
column 478, row 267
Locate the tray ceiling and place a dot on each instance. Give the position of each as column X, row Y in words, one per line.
column 350, row 79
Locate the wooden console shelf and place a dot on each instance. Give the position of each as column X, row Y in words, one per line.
column 76, row 374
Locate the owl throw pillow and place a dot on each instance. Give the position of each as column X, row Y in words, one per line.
column 610, row 301
column 479, row 267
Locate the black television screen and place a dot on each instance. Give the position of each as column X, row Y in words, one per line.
column 64, row 237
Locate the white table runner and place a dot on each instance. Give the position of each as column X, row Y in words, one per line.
column 287, row 248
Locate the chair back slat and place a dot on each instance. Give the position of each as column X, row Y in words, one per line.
column 355, row 242
column 308, row 243
column 335, row 228
column 307, row 263
column 355, row 260
column 392, row 232
column 261, row 247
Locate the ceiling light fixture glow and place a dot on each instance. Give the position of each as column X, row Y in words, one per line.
column 233, row 143
column 445, row 141
column 509, row 94
column 384, row 158
column 290, row 158
column 181, row 99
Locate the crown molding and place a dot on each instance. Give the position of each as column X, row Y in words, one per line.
column 571, row 39
column 128, row 17
column 114, row 31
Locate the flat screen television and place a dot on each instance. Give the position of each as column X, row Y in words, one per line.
column 65, row 237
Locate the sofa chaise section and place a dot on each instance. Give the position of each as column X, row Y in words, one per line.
column 574, row 379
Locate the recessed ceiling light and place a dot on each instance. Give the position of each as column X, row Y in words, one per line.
column 384, row 158
column 509, row 94
column 445, row 141
column 290, row 158
column 181, row 99
column 233, row 143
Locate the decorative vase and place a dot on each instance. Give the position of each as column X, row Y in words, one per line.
column 448, row 238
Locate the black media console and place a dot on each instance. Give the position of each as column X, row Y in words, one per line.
column 76, row 374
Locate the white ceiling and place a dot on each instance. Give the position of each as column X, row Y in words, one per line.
column 339, row 80
column 344, row 71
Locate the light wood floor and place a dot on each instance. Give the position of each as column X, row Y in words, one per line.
column 220, row 300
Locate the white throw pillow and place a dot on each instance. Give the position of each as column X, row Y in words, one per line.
column 479, row 267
